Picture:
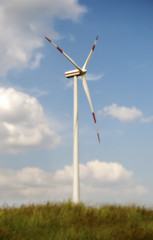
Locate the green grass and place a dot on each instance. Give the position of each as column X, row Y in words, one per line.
column 66, row 221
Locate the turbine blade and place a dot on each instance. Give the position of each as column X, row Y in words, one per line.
column 84, row 82
column 64, row 54
column 90, row 54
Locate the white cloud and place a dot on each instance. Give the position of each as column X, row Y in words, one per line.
column 64, row 175
column 99, row 181
column 22, row 25
column 94, row 77
column 147, row 120
column 36, row 62
column 122, row 113
column 107, row 172
column 69, row 84
column 23, row 125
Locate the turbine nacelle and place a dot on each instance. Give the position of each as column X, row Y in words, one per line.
column 75, row 72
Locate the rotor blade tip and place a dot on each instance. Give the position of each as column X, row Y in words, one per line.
column 47, row 39
column 97, row 37
column 98, row 137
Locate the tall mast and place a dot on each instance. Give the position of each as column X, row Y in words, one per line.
column 76, row 181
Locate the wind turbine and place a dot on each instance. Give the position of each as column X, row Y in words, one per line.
column 76, row 73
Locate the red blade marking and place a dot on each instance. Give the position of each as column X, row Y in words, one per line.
column 48, row 39
column 94, row 117
column 59, row 49
column 93, row 47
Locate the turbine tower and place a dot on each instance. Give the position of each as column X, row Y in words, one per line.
column 70, row 74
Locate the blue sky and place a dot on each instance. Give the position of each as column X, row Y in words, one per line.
column 36, row 100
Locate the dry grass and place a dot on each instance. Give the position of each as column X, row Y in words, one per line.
column 68, row 221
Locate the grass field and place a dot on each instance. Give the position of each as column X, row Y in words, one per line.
column 66, row 221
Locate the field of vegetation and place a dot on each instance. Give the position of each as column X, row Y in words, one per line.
column 66, row 221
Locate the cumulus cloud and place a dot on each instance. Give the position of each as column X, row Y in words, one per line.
column 106, row 172
column 23, row 125
column 122, row 113
column 22, row 25
column 99, row 181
